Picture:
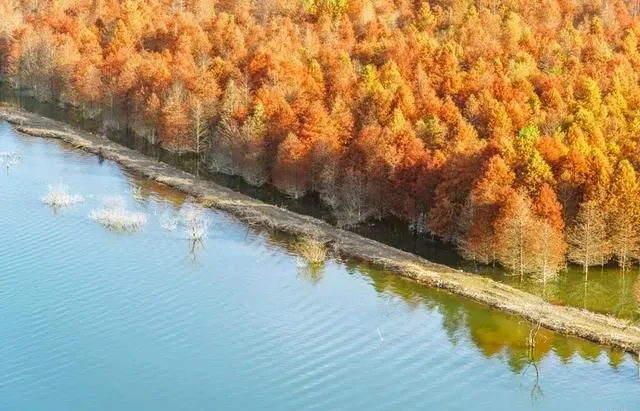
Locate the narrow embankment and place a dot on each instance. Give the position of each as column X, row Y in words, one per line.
column 567, row 320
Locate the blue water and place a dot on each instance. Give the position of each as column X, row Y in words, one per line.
column 92, row 319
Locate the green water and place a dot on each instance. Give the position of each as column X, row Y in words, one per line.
column 94, row 319
column 605, row 290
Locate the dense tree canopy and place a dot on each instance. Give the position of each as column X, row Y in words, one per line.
column 508, row 127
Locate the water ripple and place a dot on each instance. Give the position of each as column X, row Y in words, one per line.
column 92, row 319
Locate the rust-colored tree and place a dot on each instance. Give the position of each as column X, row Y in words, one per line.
column 551, row 245
column 456, row 116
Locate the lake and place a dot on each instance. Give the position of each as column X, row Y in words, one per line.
column 103, row 320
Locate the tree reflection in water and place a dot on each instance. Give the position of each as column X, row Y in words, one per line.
column 532, row 341
column 310, row 257
column 494, row 333
column 195, row 245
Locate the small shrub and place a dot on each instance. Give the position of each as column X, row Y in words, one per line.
column 190, row 218
column 115, row 217
column 58, row 197
column 9, row 159
column 195, row 222
column 119, row 219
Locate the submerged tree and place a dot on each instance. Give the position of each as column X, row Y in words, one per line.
column 587, row 236
column 624, row 230
column 551, row 246
column 515, row 230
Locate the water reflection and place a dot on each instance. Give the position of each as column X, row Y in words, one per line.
column 533, row 361
column 495, row 334
column 312, row 272
column 180, row 212
column 607, row 291
column 311, row 257
column 520, row 344
column 311, row 336
column 145, row 190
column 195, row 246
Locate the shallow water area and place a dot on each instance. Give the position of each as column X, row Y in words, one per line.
column 100, row 319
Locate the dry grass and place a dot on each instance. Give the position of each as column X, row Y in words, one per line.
column 311, row 249
column 115, row 217
column 119, row 219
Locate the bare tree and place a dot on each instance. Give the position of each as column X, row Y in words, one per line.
column 587, row 237
column 550, row 251
column 351, row 203
column 197, row 114
column 516, row 249
column 536, row 390
column 625, row 239
column 624, row 215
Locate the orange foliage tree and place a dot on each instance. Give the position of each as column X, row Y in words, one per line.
column 478, row 120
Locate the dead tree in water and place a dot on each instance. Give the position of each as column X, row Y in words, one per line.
column 536, row 391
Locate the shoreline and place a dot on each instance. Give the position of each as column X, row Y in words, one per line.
column 572, row 321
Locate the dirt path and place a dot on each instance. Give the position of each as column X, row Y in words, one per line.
column 567, row 320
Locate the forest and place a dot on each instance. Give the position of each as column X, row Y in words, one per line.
column 509, row 128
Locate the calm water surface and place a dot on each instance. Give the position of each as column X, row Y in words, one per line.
column 96, row 320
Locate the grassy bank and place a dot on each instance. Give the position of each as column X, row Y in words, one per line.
column 567, row 320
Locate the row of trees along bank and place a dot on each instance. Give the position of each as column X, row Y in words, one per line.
column 508, row 127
